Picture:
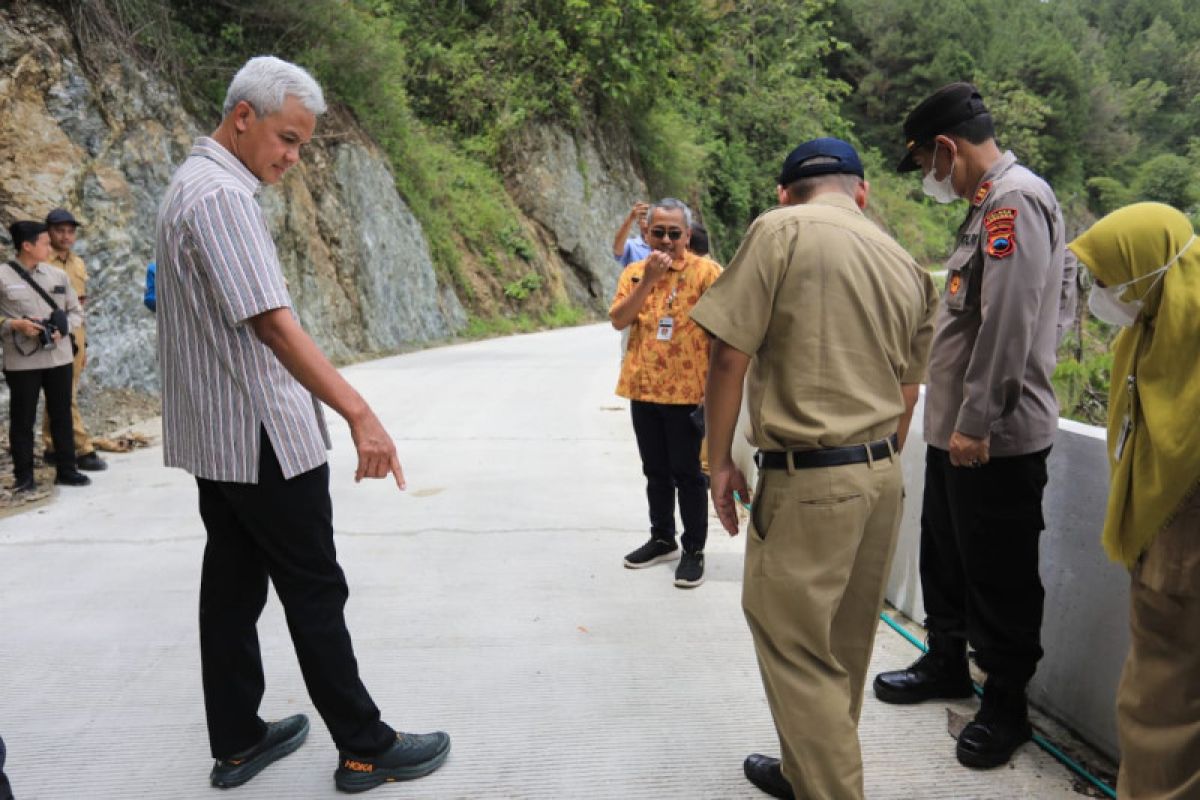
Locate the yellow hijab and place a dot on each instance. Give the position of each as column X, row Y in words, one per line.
column 1160, row 463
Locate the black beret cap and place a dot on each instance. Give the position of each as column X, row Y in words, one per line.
column 59, row 216
column 938, row 113
column 835, row 157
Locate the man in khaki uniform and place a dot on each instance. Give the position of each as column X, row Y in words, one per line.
column 62, row 226
column 990, row 419
column 833, row 320
column 37, row 309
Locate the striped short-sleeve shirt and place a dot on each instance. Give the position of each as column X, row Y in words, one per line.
column 217, row 268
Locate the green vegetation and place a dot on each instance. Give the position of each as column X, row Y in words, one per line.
column 1102, row 97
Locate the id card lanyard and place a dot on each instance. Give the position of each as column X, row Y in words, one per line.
column 666, row 323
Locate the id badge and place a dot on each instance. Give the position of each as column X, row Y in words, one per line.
column 1123, row 438
column 666, row 326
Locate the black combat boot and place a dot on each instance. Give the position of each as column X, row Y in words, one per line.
column 941, row 673
column 1000, row 727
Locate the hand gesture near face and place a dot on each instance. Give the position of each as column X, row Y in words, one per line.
column 658, row 264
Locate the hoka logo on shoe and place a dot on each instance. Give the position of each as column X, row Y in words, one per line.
column 358, row 766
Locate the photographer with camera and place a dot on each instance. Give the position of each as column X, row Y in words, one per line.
column 38, row 308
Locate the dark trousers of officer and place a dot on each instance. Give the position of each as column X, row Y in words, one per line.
column 669, row 444
column 25, row 386
column 282, row 530
column 5, row 787
column 980, row 528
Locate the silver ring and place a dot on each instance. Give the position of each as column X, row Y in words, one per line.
column 975, row 463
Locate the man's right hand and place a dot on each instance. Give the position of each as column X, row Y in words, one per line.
column 658, row 264
column 376, row 450
column 639, row 210
column 725, row 480
column 26, row 327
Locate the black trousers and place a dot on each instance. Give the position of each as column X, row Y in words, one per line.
column 669, row 444
column 281, row 529
column 25, row 386
column 980, row 528
column 5, row 788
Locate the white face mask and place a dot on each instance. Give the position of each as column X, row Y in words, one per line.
column 942, row 191
column 1105, row 304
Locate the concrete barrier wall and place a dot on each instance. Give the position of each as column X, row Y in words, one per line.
column 1086, row 631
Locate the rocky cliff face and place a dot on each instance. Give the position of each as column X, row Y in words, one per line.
column 102, row 137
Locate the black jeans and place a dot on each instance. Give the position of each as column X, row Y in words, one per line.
column 24, row 386
column 5, row 788
column 281, row 529
column 669, row 444
column 980, row 528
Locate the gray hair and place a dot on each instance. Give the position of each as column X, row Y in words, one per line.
column 804, row 189
column 671, row 204
column 265, row 82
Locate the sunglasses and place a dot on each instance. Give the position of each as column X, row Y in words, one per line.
column 674, row 234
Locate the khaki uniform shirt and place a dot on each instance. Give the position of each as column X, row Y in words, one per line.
column 18, row 299
column 77, row 272
column 996, row 342
column 667, row 370
column 836, row 316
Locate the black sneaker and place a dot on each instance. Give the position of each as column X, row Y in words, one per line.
column 23, row 485
column 690, row 572
column 282, row 737
column 72, row 478
column 91, row 463
column 652, row 552
column 413, row 755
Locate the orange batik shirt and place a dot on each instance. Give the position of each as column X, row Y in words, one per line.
column 673, row 370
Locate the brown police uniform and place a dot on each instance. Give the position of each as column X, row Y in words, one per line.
column 836, row 316
column 993, row 356
column 77, row 273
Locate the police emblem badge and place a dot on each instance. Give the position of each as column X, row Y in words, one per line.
column 1001, row 236
column 981, row 193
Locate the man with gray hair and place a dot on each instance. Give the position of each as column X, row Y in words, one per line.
column 241, row 380
column 663, row 375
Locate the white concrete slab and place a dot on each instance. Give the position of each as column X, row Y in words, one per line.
column 489, row 600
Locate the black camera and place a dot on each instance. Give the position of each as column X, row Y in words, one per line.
column 55, row 323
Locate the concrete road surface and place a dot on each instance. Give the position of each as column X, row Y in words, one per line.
column 488, row 600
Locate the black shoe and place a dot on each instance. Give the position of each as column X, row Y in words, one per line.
column 282, row 737
column 23, row 485
column 766, row 773
column 690, row 572
column 1000, row 727
column 91, row 463
column 652, row 552
column 71, row 478
column 413, row 755
column 942, row 673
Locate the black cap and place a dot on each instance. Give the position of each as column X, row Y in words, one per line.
column 938, row 113
column 59, row 216
column 833, row 157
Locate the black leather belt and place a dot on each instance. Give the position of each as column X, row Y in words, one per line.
column 827, row 457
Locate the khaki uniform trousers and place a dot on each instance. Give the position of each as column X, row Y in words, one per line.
column 1158, row 700
column 83, row 442
column 817, row 558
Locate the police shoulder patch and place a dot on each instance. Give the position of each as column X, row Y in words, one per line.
column 1001, row 237
column 981, row 193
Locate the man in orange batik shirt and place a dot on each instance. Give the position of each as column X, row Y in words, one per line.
column 663, row 376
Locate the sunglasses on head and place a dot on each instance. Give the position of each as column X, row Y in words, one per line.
column 674, row 234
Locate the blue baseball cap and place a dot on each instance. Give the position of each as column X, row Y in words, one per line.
column 827, row 156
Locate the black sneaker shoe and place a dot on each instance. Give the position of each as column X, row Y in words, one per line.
column 72, row 478
column 690, row 572
column 282, row 737
column 24, row 485
column 652, row 552
column 91, row 463
column 413, row 755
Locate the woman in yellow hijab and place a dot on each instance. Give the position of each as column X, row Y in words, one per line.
column 1146, row 260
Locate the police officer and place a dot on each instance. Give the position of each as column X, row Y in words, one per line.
column 36, row 358
column 990, row 419
column 833, row 320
